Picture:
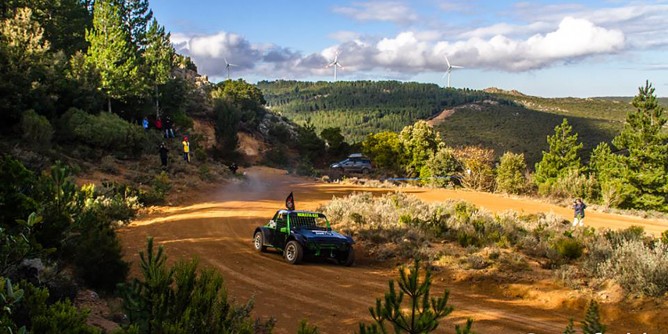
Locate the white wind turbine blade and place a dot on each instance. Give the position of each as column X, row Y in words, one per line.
column 447, row 61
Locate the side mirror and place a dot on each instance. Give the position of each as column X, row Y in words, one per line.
column 284, row 229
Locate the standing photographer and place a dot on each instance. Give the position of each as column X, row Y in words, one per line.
column 579, row 208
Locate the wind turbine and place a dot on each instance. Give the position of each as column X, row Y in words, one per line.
column 335, row 63
column 450, row 68
column 227, row 66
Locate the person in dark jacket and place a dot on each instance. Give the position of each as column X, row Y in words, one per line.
column 163, row 155
column 579, row 212
column 233, row 168
column 169, row 131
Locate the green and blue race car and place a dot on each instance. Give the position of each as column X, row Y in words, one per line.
column 300, row 234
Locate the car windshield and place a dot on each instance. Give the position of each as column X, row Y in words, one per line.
column 309, row 220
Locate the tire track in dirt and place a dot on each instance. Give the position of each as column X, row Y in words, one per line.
column 219, row 232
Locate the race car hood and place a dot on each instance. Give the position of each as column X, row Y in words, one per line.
column 323, row 236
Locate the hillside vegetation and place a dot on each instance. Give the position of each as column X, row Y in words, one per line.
column 363, row 107
column 497, row 119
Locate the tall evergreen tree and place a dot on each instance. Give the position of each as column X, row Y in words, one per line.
column 136, row 16
column 644, row 148
column 227, row 125
column 158, row 59
column 23, row 54
column 561, row 157
column 112, row 54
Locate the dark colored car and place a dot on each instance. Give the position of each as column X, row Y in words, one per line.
column 302, row 234
column 356, row 163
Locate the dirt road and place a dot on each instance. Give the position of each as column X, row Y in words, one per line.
column 217, row 228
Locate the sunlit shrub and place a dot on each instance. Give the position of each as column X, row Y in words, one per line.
column 638, row 268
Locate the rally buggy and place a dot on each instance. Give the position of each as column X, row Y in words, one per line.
column 300, row 234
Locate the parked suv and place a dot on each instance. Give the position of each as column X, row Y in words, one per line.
column 356, row 163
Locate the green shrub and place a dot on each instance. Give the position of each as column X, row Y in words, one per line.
column 183, row 299
column 205, row 173
column 618, row 237
column 569, row 248
column 664, row 237
column 36, row 129
column 98, row 255
column 440, row 168
column 510, row 173
column 200, row 154
column 108, row 164
column 18, row 189
column 62, row 317
column 305, row 328
column 420, row 314
column 24, row 309
column 305, row 168
column 106, row 130
column 592, row 322
column 277, row 156
column 160, row 186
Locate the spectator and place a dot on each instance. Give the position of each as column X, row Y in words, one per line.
column 579, row 209
column 186, row 149
column 169, row 131
column 163, row 155
column 158, row 124
column 144, row 123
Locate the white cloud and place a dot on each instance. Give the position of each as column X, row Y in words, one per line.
column 506, row 30
column 408, row 52
column 644, row 25
column 390, row 11
column 345, row 36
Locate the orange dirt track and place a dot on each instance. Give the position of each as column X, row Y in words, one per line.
column 217, row 227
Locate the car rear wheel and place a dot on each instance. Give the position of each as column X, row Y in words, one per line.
column 258, row 242
column 293, row 252
column 348, row 259
column 365, row 171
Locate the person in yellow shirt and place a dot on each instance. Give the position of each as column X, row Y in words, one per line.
column 186, row 149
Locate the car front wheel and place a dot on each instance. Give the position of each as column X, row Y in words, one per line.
column 258, row 242
column 349, row 258
column 293, row 252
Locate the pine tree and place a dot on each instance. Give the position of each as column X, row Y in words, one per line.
column 569, row 328
column 510, row 173
column 423, row 313
column 136, row 17
column 645, row 153
column 158, row 59
column 592, row 322
column 111, row 53
column 23, row 58
column 561, row 157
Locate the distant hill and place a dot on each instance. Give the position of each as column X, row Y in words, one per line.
column 363, row 107
column 502, row 120
column 662, row 100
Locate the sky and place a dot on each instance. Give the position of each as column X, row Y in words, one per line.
column 541, row 48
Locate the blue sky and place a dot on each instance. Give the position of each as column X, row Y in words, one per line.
column 542, row 48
